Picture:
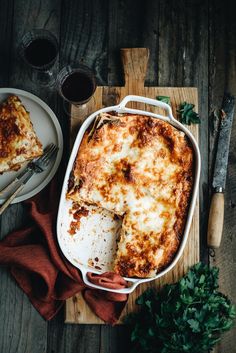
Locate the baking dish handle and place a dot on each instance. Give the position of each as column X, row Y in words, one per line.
column 150, row 101
column 127, row 290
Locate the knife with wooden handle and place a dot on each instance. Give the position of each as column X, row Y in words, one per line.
column 216, row 215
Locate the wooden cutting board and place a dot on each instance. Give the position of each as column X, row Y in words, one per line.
column 135, row 64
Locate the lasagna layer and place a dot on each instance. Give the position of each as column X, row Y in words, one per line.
column 18, row 141
column 140, row 168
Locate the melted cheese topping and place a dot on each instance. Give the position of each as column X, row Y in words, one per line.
column 140, row 168
column 18, row 141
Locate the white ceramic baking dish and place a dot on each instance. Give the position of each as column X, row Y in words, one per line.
column 93, row 247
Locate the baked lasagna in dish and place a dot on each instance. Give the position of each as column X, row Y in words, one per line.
column 141, row 169
column 18, row 141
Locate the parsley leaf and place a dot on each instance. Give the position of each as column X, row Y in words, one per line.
column 187, row 115
column 194, row 325
column 164, row 99
column 187, row 316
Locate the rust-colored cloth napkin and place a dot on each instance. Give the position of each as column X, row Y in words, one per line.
column 35, row 261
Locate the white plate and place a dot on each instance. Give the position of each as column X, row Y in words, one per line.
column 47, row 129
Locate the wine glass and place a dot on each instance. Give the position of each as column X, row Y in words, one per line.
column 76, row 84
column 39, row 50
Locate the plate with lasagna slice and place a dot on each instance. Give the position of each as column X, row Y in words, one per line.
column 27, row 125
column 128, row 195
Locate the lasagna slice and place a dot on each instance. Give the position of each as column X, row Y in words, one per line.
column 140, row 168
column 18, row 141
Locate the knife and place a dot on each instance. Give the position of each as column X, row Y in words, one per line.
column 17, row 191
column 216, row 215
column 36, row 166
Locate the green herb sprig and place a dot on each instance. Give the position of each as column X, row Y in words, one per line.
column 187, row 115
column 164, row 99
column 188, row 316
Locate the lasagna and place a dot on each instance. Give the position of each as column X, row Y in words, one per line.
column 141, row 169
column 18, row 141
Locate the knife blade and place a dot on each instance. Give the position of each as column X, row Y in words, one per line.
column 220, row 170
column 216, row 214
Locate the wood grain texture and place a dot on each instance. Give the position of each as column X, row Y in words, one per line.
column 191, row 43
column 18, row 318
column 6, row 11
column 222, row 68
column 39, row 15
column 126, row 30
column 86, row 338
column 215, row 220
column 119, row 334
column 83, row 39
column 19, row 321
column 183, row 61
column 72, row 338
column 135, row 63
column 84, row 35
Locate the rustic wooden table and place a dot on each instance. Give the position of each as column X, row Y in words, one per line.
column 192, row 43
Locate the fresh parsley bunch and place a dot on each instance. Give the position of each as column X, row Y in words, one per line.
column 187, row 316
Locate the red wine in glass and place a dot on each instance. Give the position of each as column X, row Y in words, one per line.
column 76, row 84
column 39, row 50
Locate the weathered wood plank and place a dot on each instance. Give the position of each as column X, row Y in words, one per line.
column 183, row 61
column 39, row 15
column 127, row 26
column 22, row 329
column 8, row 289
column 6, row 12
column 222, row 68
column 114, row 339
column 72, row 338
column 83, row 40
column 18, row 318
column 84, row 35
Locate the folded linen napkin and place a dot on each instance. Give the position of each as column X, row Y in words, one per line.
column 40, row 269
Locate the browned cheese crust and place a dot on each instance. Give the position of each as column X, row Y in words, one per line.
column 18, row 141
column 140, row 168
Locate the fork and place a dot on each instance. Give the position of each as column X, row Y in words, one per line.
column 37, row 166
column 25, row 171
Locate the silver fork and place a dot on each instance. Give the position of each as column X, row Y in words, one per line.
column 37, row 166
